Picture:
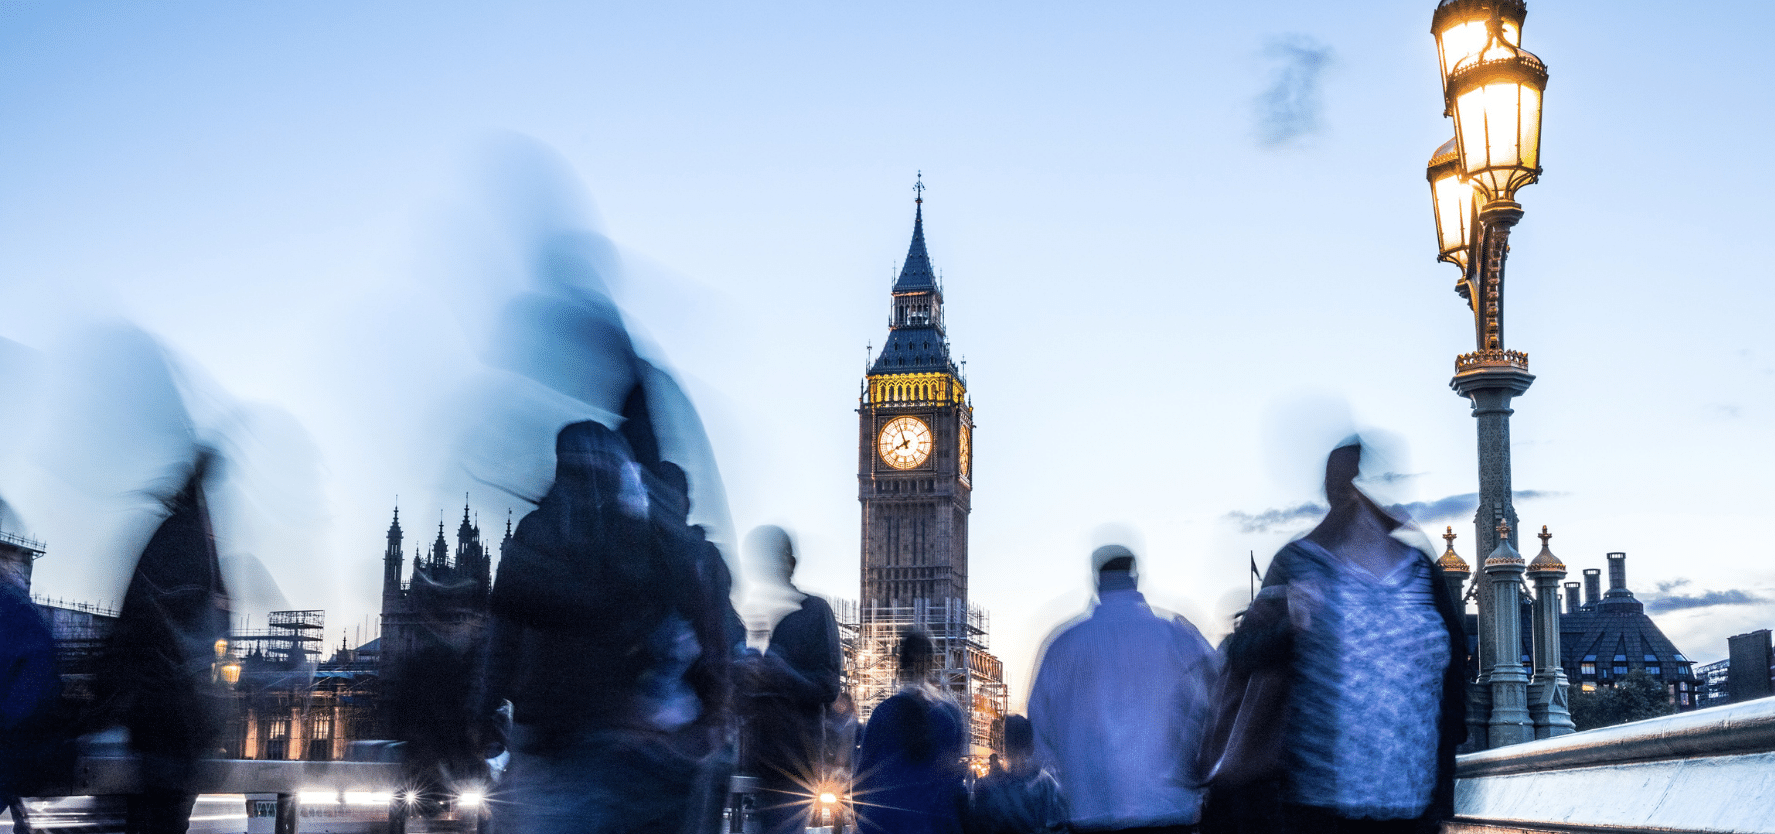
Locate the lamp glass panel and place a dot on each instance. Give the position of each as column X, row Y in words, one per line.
column 1470, row 124
column 1454, row 201
column 1529, row 146
column 1503, row 112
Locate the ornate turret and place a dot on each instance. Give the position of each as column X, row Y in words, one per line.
column 440, row 549
column 1547, row 701
column 1510, row 722
column 1454, row 568
column 1503, row 556
column 391, row 559
column 1545, row 562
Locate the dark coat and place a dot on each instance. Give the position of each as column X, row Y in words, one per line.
column 798, row 676
column 157, row 676
column 32, row 744
column 909, row 769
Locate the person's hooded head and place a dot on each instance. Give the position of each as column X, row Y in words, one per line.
column 1114, row 566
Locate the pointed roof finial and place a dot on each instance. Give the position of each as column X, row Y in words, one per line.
column 1545, row 561
column 918, row 189
column 1505, row 555
column 1451, row 562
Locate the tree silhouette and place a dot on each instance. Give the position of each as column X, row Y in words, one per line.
column 1634, row 697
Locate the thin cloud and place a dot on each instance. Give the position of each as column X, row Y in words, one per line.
column 1290, row 108
column 1441, row 509
column 1263, row 522
column 1459, row 506
column 1662, row 601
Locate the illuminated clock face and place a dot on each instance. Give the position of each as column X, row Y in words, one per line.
column 905, row 442
column 967, row 453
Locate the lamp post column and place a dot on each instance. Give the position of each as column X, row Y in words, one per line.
column 1490, row 378
column 1510, row 722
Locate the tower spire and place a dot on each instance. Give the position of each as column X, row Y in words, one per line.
column 916, row 273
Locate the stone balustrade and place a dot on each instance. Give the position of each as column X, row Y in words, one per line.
column 1711, row 770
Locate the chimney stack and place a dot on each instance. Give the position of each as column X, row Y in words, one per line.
column 1618, row 575
column 1592, row 586
column 1571, row 597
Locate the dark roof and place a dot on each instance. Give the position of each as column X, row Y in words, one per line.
column 916, row 274
column 913, row 350
column 1603, row 631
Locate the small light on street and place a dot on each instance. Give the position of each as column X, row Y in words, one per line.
column 471, row 799
column 828, row 798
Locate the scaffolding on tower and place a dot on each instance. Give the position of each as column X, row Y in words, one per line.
column 968, row 672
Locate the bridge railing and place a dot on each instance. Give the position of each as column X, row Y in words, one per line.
column 289, row 781
column 112, row 775
column 1711, row 770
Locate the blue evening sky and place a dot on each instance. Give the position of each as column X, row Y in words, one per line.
column 1167, row 231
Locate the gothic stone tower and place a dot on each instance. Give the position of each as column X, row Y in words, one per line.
column 914, row 480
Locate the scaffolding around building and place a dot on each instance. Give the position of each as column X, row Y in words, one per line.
column 293, row 639
column 968, row 671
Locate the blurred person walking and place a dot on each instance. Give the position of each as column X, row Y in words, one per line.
column 609, row 641
column 1344, row 697
column 1119, row 707
column 787, row 691
column 910, row 776
column 158, row 676
column 35, row 744
column 1021, row 797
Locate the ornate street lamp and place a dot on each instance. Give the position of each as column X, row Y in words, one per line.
column 1493, row 89
column 1496, row 102
column 1495, row 97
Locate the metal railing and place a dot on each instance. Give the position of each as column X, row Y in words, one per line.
column 1711, row 770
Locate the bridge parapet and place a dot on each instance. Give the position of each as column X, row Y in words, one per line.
column 1711, row 770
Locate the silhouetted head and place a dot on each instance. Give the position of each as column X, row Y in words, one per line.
column 1019, row 738
column 916, row 655
column 772, row 553
column 1115, row 568
column 1341, row 468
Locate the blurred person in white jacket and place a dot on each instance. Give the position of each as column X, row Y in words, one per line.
column 1120, row 705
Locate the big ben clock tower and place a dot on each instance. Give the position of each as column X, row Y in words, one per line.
column 915, row 471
